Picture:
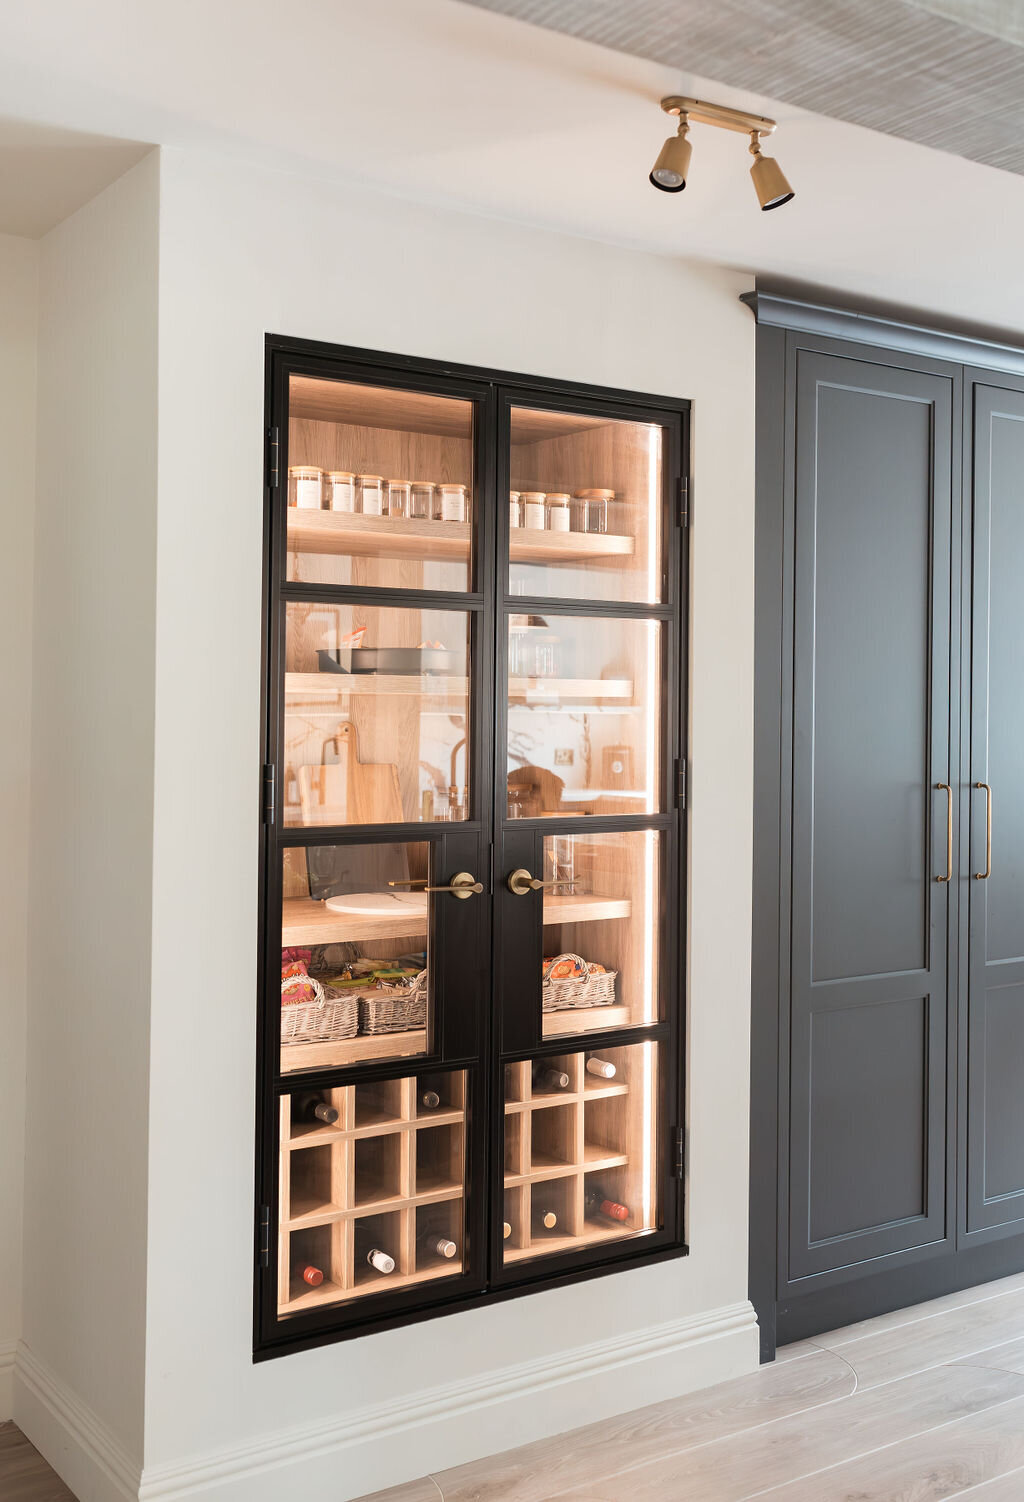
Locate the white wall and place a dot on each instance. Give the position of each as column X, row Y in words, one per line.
column 91, row 822
column 243, row 253
column 18, row 291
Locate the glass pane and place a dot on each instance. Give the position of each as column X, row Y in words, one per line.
column 584, row 718
column 586, row 507
column 372, row 1188
column 601, row 931
column 356, row 979
column 580, row 1150
column 380, row 486
column 376, row 715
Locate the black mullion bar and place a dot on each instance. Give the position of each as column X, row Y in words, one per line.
column 606, row 609
column 366, row 594
column 306, row 835
column 595, row 823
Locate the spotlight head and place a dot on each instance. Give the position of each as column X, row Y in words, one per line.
column 770, row 184
column 670, row 170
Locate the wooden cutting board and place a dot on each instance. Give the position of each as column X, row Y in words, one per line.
column 349, row 791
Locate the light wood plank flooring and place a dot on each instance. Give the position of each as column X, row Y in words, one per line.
column 916, row 1406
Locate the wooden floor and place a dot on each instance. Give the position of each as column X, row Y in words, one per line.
column 917, row 1406
column 924, row 1404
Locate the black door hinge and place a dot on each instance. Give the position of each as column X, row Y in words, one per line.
column 264, row 1243
column 269, row 793
column 681, row 782
column 273, row 458
column 678, row 1152
column 684, row 500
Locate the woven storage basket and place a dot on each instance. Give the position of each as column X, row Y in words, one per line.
column 331, row 1015
column 582, row 990
column 398, row 1011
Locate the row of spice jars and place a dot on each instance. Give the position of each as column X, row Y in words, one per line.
column 314, row 489
column 557, row 511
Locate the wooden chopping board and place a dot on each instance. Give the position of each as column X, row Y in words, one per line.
column 349, row 791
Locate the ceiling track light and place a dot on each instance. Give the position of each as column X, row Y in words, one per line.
column 671, row 169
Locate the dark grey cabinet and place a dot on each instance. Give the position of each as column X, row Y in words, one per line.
column 887, row 1143
column 993, row 1064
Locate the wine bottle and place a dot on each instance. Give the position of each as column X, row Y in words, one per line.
column 369, row 1250
column 546, row 1078
column 544, row 1218
column 596, row 1203
column 601, row 1067
column 506, row 1230
column 430, row 1100
column 312, row 1107
column 433, row 1245
column 311, row 1274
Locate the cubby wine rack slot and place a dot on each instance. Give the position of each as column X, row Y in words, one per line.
column 372, row 1185
column 579, row 1154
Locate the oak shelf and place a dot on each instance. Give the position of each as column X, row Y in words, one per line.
column 356, row 536
column 295, row 1056
column 301, row 688
column 305, row 922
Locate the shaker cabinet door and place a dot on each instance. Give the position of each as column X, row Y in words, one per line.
column 871, row 804
column 993, row 1069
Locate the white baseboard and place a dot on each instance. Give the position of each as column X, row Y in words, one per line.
column 7, row 1350
column 78, row 1446
column 371, row 1448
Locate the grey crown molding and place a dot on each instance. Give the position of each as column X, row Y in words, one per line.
column 778, row 310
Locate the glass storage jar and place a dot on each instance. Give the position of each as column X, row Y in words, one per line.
column 371, row 494
column 594, row 508
column 515, row 509
column 305, row 487
column 452, row 505
column 421, row 500
column 557, row 507
column 533, row 509
column 341, row 490
column 399, row 496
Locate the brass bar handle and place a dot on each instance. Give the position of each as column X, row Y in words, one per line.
column 984, row 875
column 521, row 882
column 944, row 787
column 464, row 884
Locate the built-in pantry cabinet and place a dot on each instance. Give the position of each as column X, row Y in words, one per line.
column 888, row 998
column 473, row 796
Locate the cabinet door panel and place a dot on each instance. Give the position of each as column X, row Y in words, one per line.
column 995, row 1006
column 870, row 741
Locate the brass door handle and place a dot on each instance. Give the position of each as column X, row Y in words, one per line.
column 944, row 787
column 462, row 885
column 984, row 875
column 521, row 882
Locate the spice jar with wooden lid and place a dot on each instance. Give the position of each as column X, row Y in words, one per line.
column 399, row 496
column 515, row 509
column 557, row 508
column 591, row 510
column 341, row 490
column 371, row 494
column 421, row 500
column 305, row 487
column 533, row 509
column 452, row 504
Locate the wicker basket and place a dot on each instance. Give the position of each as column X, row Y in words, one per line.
column 401, row 1010
column 331, row 1015
column 584, row 989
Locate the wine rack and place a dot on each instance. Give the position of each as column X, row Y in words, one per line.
column 563, row 1143
column 389, row 1171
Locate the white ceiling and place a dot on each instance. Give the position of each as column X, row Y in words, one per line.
column 447, row 103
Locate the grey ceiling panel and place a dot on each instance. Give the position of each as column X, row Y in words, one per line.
column 914, row 70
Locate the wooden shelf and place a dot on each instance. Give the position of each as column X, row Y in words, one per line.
column 356, row 536
column 300, row 688
column 586, row 1020
column 548, row 1246
column 584, row 907
column 330, row 1293
column 295, row 1056
column 566, row 1097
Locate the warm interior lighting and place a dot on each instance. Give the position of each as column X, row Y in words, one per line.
column 670, row 170
column 673, row 164
column 770, row 185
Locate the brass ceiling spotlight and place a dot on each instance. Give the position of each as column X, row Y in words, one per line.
column 673, row 164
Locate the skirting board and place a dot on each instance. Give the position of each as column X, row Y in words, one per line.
column 371, row 1448
column 386, row 1445
column 7, row 1350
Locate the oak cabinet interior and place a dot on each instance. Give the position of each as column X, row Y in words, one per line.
column 472, row 857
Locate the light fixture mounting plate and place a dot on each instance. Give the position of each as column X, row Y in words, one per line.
column 722, row 115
